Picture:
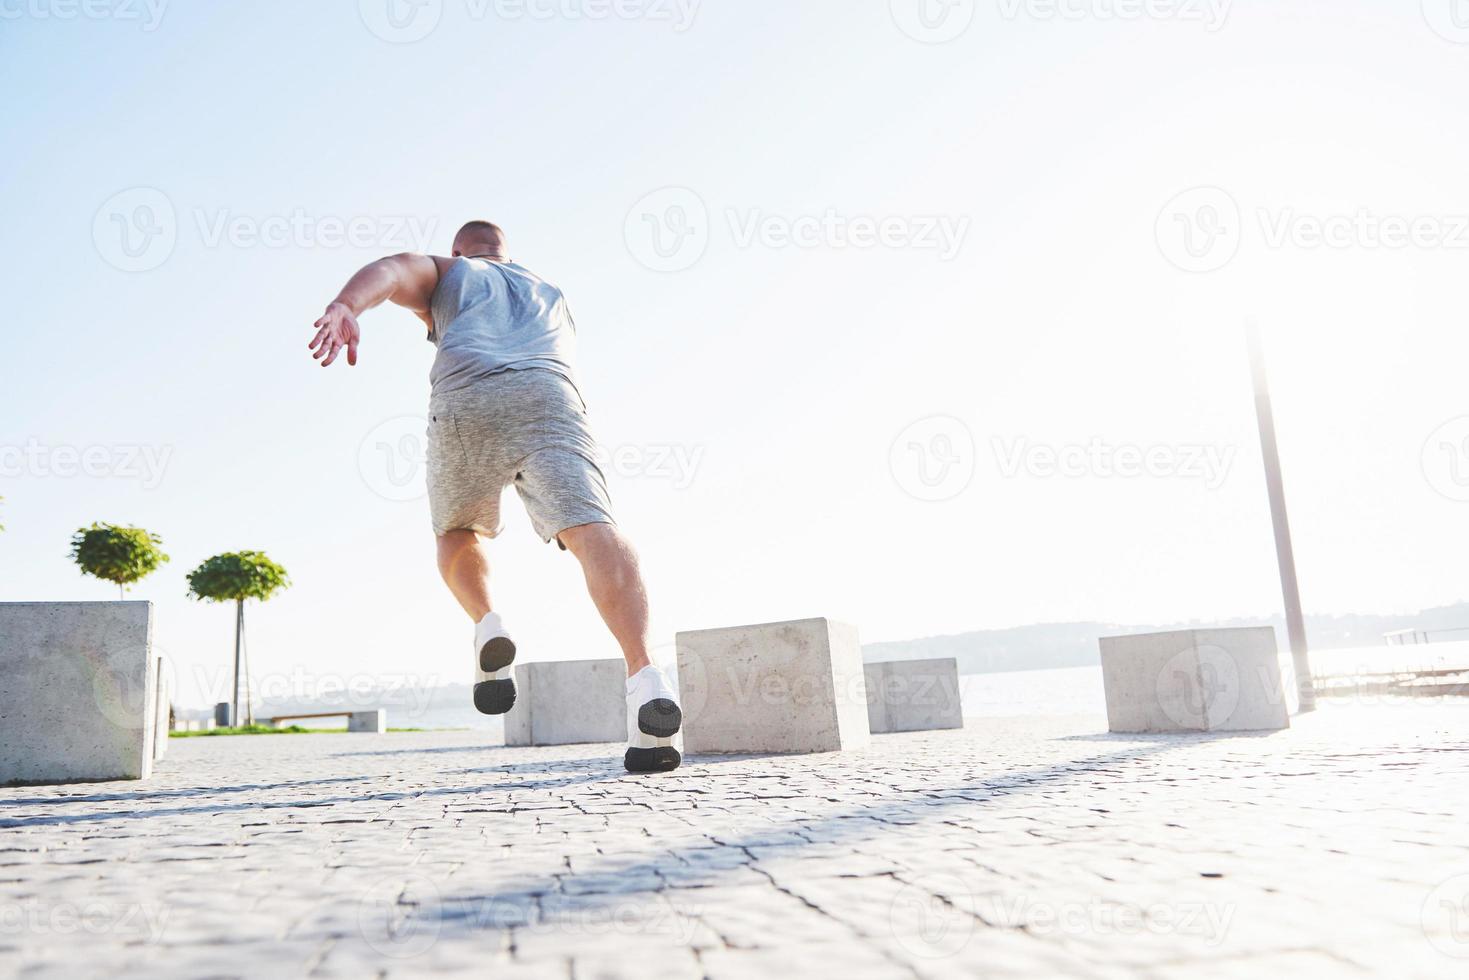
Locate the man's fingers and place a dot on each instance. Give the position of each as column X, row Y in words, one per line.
column 352, row 352
column 332, row 356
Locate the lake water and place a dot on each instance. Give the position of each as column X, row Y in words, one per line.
column 1068, row 691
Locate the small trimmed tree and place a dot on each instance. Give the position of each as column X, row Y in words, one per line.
column 121, row 555
column 237, row 576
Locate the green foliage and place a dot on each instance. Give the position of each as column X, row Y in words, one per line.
column 237, row 575
column 120, row 555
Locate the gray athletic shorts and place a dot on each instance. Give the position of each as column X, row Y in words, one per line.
column 523, row 427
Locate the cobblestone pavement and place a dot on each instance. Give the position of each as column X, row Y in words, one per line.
column 1014, row 848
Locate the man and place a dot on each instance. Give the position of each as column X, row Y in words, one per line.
column 505, row 410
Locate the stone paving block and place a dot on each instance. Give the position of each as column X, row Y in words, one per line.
column 1194, row 680
column 568, row 702
column 777, row 687
column 78, row 691
column 913, row 695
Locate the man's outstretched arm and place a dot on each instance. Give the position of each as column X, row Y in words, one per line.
column 408, row 280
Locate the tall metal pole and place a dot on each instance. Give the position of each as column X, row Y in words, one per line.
column 239, row 631
column 1285, row 556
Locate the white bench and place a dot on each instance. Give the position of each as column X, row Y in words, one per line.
column 79, row 691
column 777, row 687
column 913, row 696
column 1194, row 680
column 369, row 720
column 568, row 702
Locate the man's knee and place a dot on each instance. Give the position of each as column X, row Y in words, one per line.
column 584, row 537
column 452, row 544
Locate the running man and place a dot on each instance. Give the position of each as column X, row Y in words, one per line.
column 505, row 410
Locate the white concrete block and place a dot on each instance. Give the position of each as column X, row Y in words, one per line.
column 568, row 702
column 1194, row 680
column 77, row 691
column 777, row 687
column 913, row 695
column 372, row 720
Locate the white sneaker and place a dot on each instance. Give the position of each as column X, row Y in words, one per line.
column 494, row 658
column 653, row 722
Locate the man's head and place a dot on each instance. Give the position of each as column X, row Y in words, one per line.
column 481, row 239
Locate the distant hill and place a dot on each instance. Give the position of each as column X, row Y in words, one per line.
column 1053, row 645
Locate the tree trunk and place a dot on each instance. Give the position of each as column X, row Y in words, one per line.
column 239, row 635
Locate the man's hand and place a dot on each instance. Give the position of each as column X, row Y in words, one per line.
column 336, row 329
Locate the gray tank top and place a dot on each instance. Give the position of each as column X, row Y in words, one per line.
column 490, row 317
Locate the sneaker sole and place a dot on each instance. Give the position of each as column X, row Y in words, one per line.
column 665, row 758
column 494, row 697
column 660, row 718
column 497, row 654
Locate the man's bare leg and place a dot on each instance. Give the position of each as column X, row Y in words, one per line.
column 616, row 585
column 466, row 571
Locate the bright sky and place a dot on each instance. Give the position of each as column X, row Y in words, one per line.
column 789, row 232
